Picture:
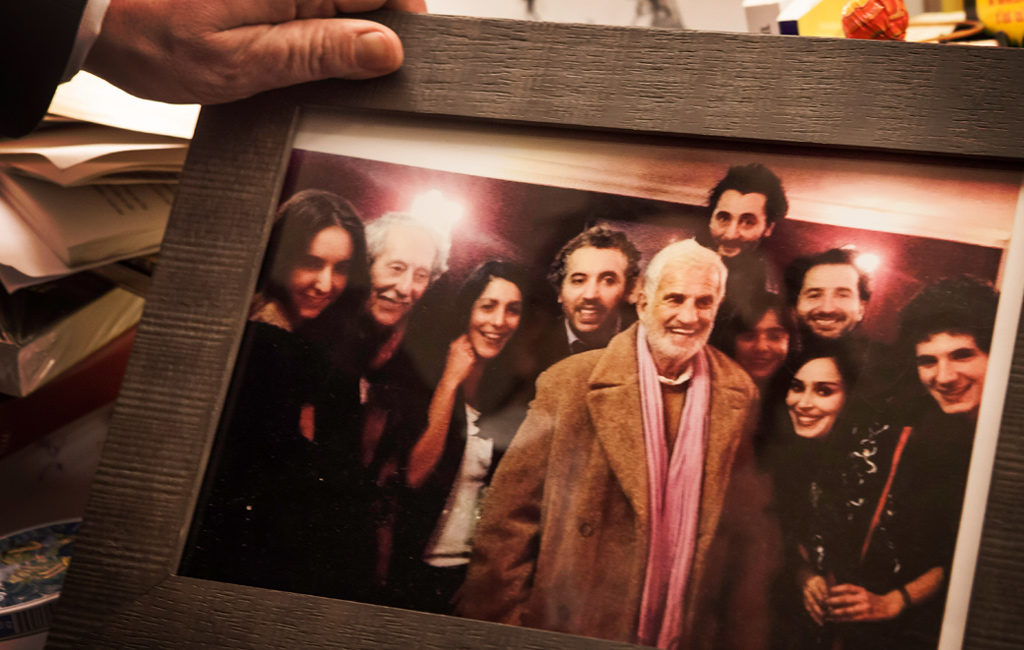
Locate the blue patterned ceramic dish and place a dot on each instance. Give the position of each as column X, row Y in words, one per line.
column 33, row 563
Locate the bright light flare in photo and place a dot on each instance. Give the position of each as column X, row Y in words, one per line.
column 868, row 262
column 435, row 207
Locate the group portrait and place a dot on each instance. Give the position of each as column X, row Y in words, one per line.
column 677, row 394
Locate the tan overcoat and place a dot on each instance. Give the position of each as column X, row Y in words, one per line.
column 563, row 540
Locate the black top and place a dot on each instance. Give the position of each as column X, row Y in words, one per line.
column 553, row 344
column 38, row 36
column 279, row 509
column 917, row 529
column 828, row 492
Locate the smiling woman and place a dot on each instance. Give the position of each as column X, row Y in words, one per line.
column 472, row 417
column 251, row 530
column 494, row 318
column 810, row 407
column 816, row 396
column 317, row 242
column 871, row 499
column 757, row 336
column 322, row 274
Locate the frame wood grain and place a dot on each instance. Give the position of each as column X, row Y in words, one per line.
column 899, row 98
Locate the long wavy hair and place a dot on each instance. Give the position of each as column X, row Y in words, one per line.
column 299, row 220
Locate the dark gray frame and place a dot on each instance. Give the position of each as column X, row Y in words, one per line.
column 895, row 98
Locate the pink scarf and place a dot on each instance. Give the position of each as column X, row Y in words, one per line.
column 674, row 486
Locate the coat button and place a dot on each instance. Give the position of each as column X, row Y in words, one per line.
column 586, row 529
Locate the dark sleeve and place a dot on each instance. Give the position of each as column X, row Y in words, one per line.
column 37, row 39
column 931, row 505
column 755, row 548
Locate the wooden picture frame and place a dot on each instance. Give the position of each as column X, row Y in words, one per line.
column 956, row 103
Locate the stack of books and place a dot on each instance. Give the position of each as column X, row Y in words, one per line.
column 84, row 201
column 92, row 185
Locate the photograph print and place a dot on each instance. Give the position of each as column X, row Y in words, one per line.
column 674, row 395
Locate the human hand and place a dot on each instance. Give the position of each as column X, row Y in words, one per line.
column 847, row 603
column 815, row 592
column 460, row 361
column 215, row 51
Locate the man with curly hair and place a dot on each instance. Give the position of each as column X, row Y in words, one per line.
column 594, row 274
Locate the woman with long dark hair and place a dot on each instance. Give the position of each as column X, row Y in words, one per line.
column 809, row 416
column 267, row 500
column 875, row 526
column 316, row 253
column 473, row 413
column 899, row 493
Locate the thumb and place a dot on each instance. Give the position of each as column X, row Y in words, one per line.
column 308, row 50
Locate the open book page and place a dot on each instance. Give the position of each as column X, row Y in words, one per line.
column 67, row 145
column 75, row 154
column 91, row 223
column 26, row 261
column 103, row 171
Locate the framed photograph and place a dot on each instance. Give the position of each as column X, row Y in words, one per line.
column 332, row 430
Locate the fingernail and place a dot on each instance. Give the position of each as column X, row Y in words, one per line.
column 373, row 52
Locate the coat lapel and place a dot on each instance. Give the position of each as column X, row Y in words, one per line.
column 614, row 404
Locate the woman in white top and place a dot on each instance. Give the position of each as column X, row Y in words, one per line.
column 474, row 411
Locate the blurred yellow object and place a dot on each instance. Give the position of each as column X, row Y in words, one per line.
column 1005, row 16
column 812, row 18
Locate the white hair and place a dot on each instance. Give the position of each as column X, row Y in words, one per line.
column 687, row 252
column 377, row 234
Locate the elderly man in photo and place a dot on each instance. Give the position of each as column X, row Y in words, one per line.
column 594, row 274
column 628, row 506
column 406, row 255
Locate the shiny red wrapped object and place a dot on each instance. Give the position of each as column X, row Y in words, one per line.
column 878, row 19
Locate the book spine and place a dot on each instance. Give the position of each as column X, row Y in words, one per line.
column 85, row 387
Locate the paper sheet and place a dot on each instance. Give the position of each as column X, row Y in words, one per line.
column 25, row 260
column 66, row 146
column 89, row 98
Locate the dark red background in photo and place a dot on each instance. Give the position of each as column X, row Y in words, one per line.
column 528, row 223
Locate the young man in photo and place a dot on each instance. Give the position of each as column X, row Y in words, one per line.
column 573, row 540
column 743, row 210
column 829, row 294
column 893, row 595
column 594, row 274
